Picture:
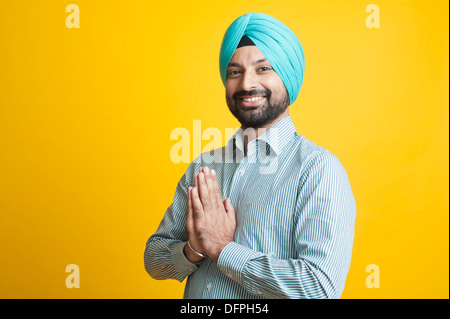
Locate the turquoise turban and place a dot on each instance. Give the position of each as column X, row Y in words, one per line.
column 279, row 45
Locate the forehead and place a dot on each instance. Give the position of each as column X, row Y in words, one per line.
column 247, row 55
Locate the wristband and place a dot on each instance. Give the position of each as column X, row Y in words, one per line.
column 196, row 252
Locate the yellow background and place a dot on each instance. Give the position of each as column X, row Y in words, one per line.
column 86, row 116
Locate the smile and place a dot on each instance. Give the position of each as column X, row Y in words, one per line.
column 252, row 99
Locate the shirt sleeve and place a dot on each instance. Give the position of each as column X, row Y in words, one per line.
column 324, row 231
column 164, row 257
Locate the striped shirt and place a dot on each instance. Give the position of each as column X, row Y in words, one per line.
column 295, row 215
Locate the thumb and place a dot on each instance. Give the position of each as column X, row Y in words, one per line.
column 228, row 207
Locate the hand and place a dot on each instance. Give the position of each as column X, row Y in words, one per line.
column 210, row 220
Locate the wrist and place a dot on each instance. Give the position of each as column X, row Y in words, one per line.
column 218, row 251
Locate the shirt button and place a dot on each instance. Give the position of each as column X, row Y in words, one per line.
column 230, row 274
column 241, row 172
column 208, row 286
column 259, row 292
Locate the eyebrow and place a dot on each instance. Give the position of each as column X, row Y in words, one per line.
column 256, row 62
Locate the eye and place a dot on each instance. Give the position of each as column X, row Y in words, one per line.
column 265, row 68
column 234, row 72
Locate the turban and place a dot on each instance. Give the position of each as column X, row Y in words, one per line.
column 277, row 43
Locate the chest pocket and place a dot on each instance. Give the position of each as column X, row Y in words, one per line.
column 266, row 228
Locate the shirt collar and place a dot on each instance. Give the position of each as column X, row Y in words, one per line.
column 277, row 136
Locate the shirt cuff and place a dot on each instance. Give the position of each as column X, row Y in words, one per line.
column 180, row 261
column 232, row 260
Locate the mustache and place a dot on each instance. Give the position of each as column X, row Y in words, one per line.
column 239, row 94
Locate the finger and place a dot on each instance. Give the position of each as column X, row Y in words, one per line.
column 200, row 170
column 216, row 187
column 210, row 184
column 197, row 206
column 189, row 212
column 196, row 177
column 203, row 192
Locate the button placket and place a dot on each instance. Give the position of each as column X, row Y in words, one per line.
column 236, row 181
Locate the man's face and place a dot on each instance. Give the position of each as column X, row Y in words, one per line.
column 255, row 93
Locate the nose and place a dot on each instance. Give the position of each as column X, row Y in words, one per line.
column 249, row 80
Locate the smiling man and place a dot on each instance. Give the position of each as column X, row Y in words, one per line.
column 237, row 230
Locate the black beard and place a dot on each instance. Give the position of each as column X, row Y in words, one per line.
column 259, row 116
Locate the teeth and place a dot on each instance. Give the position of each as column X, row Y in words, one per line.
column 253, row 99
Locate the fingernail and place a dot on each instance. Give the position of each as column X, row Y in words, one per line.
column 213, row 172
column 201, row 175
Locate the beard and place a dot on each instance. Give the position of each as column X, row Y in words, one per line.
column 261, row 115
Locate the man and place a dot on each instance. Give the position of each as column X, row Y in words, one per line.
column 238, row 229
